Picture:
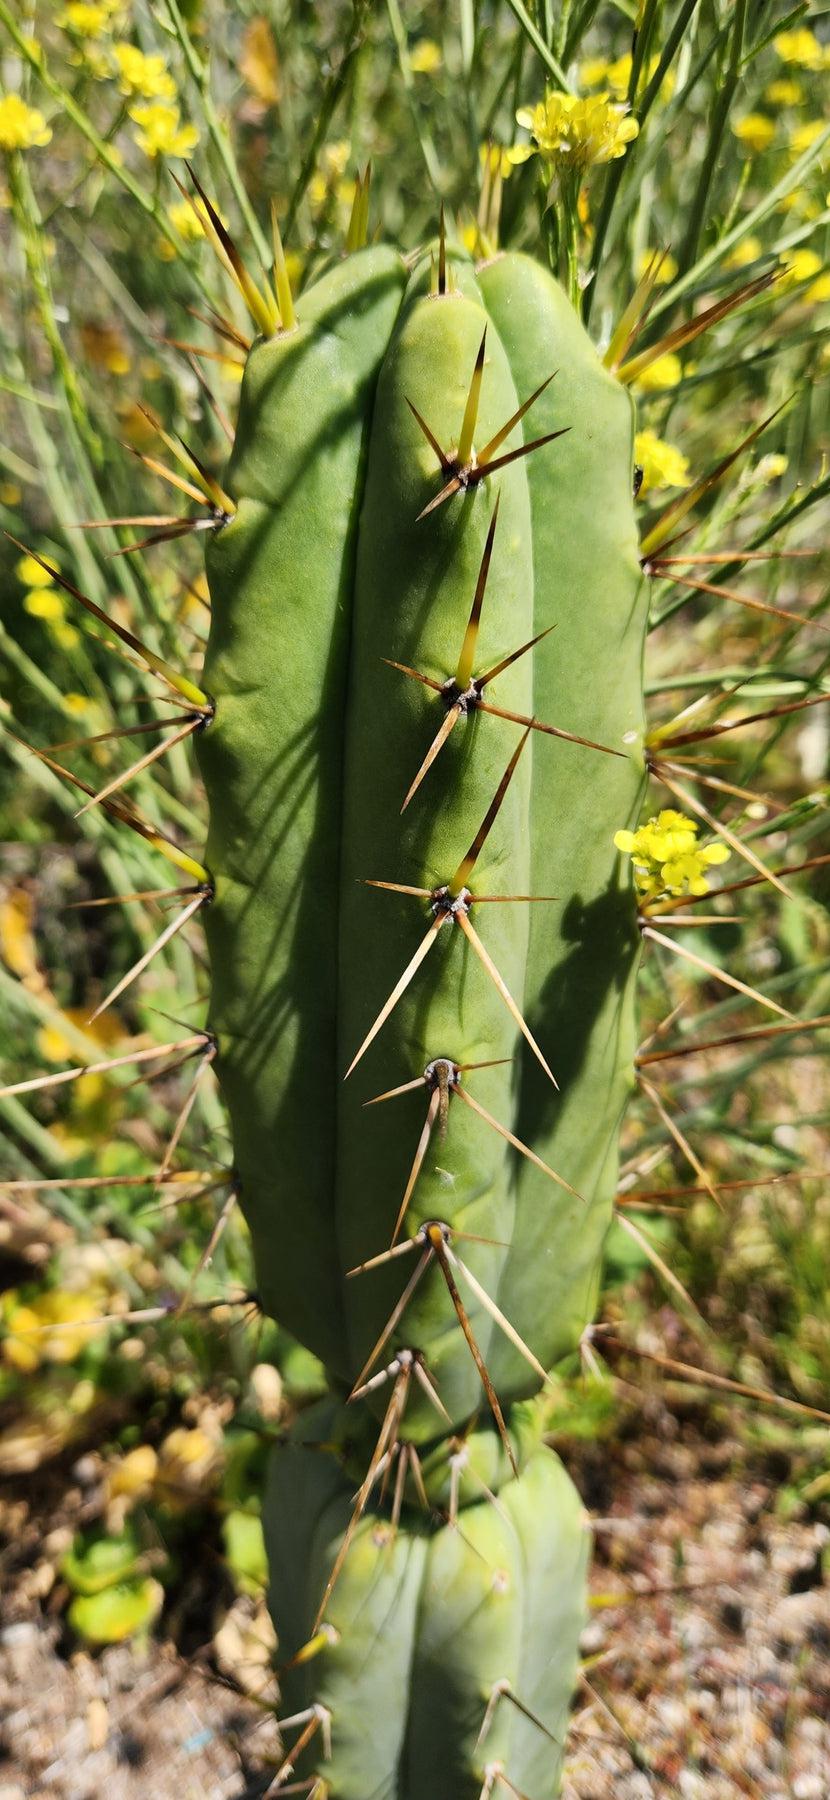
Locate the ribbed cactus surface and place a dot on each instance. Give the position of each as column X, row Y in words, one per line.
column 429, row 589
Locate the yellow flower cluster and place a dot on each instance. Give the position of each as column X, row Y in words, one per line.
column 667, row 858
column 52, row 1327
column 88, row 18
column 574, row 133
column 802, row 49
column 160, row 129
column 666, row 270
column 662, row 464
column 330, row 179
column 22, row 127
column 755, row 130
column 187, row 220
column 806, row 266
column 616, row 76
column 142, row 77
column 784, row 92
column 44, row 601
column 425, row 57
column 745, row 252
column 665, row 372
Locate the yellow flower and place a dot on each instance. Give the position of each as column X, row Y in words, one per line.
column 800, row 47
column 799, row 266
column 754, row 130
column 259, row 63
column 161, row 132
column 189, row 1463
column 44, row 603
column 105, row 348
column 616, row 76
column 132, row 1476
column 767, row 469
column 668, row 266
column 799, row 202
column 10, row 493
column 425, row 57
column 574, row 133
column 32, row 573
column 55, row 1047
column 664, row 372
column 334, row 158
column 54, row 1327
column 745, row 252
column 17, row 939
column 20, row 1345
column 187, row 220
column 784, row 92
column 94, row 59
column 85, row 18
column 142, row 76
column 22, row 127
column 662, row 464
column 666, row 856
column 65, row 635
column 804, row 136
column 329, row 179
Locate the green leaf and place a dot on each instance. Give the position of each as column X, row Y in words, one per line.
column 245, row 1551
column 117, row 1613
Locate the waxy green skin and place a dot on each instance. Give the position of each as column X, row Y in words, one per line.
column 429, row 1621
column 281, row 575
column 584, row 952
column 325, row 571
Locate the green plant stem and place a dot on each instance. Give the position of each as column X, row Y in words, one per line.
column 551, row 62
column 793, row 179
column 422, row 131
column 617, row 169
column 335, row 89
column 200, row 74
column 720, row 115
column 27, row 219
column 53, row 1155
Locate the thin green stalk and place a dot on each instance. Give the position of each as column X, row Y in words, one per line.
column 560, row 37
column 52, row 1153
column 423, row 133
column 726, row 573
column 27, row 219
column 329, row 103
column 717, row 127
column 745, row 227
column 22, row 391
column 200, row 75
column 616, row 169
column 551, row 62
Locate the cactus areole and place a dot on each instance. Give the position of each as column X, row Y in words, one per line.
column 426, row 662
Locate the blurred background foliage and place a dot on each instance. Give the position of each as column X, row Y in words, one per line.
column 132, row 1349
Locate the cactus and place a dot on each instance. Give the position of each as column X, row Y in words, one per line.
column 420, row 728
column 410, row 587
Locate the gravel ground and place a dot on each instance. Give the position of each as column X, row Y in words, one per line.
column 707, row 1657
